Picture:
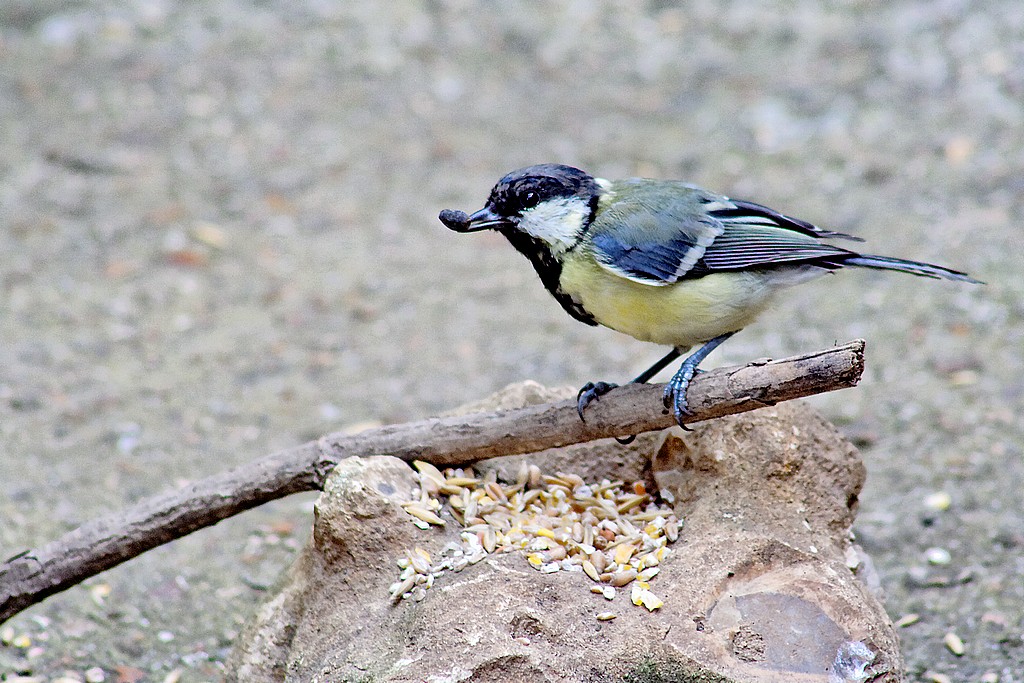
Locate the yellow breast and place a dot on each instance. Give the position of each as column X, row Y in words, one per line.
column 682, row 314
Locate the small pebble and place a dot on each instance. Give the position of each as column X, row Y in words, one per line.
column 165, row 636
column 95, row 675
column 606, row 616
column 936, row 677
column 938, row 556
column 954, row 644
column 963, row 378
column 907, row 620
column 989, row 677
column 996, row 618
column 852, row 558
column 99, row 592
column 210, row 234
column 940, row 501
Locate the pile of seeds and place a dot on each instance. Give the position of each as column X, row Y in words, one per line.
column 614, row 534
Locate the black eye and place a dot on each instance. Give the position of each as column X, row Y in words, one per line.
column 530, row 199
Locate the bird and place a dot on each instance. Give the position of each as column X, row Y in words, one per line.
column 662, row 261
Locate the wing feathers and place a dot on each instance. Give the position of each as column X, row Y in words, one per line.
column 654, row 241
column 750, row 246
column 749, row 213
column 652, row 264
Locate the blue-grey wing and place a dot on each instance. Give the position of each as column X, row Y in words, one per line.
column 659, row 261
column 654, row 232
column 657, row 242
column 758, row 237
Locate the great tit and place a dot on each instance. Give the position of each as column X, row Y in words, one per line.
column 661, row 260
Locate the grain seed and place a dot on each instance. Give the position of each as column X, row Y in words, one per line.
column 648, row 574
column 523, row 475
column 461, row 481
column 535, row 478
column 954, row 644
column 612, row 533
column 623, row 553
column 622, row 578
column 402, row 587
column 428, row 471
column 423, row 514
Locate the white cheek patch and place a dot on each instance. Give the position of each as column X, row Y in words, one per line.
column 557, row 222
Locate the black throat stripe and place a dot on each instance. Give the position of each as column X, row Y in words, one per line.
column 549, row 268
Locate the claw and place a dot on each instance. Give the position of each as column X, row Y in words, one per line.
column 590, row 392
column 674, row 397
column 668, row 396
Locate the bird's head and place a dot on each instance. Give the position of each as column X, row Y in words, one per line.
column 551, row 203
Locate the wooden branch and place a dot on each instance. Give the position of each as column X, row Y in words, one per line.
column 100, row 544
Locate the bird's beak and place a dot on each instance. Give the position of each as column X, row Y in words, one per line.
column 485, row 219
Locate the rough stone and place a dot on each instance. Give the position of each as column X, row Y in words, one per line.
column 758, row 587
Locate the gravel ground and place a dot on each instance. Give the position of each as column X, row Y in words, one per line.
column 219, row 238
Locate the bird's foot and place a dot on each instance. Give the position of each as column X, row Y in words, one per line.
column 674, row 397
column 590, row 392
column 675, row 391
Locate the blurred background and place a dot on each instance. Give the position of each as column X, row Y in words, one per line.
column 218, row 238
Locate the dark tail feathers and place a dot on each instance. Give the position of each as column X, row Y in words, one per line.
column 912, row 267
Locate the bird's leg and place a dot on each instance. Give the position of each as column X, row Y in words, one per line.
column 591, row 391
column 675, row 390
column 650, row 372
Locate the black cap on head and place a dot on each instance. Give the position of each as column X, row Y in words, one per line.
column 527, row 187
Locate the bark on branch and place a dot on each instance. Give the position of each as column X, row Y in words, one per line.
column 98, row 545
